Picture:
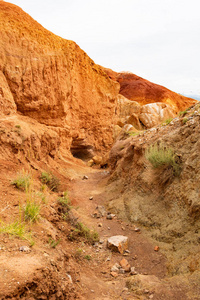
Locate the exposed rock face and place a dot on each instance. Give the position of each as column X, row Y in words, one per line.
column 53, row 81
column 142, row 116
column 143, row 91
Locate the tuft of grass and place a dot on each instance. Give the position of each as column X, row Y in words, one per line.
column 18, row 126
column 168, row 121
column 53, row 243
column 88, row 257
column 160, row 155
column 22, row 181
column 133, row 133
column 31, row 211
column 184, row 120
column 50, row 180
column 64, row 201
column 183, row 113
column 78, row 253
column 16, row 229
column 81, row 230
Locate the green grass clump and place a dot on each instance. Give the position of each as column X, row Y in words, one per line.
column 184, row 120
column 133, row 133
column 90, row 236
column 88, row 257
column 64, row 201
column 160, row 155
column 168, row 121
column 183, row 113
column 22, row 181
column 50, row 180
column 53, row 243
column 17, row 229
column 31, row 211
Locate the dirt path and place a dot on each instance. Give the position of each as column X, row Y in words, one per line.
column 74, row 268
column 97, row 279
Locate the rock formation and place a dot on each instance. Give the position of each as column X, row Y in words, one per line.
column 53, row 81
column 143, row 91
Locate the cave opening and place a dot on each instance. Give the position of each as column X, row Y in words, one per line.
column 81, row 150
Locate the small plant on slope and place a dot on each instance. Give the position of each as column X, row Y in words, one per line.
column 22, row 181
column 53, row 243
column 90, row 236
column 160, row 155
column 64, row 201
column 50, row 180
column 168, row 121
column 17, row 229
column 31, row 211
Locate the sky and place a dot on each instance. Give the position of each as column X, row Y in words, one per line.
column 158, row 40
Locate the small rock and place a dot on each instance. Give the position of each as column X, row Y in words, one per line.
column 85, row 177
column 97, row 159
column 110, row 216
column 25, row 249
column 123, row 228
column 114, row 274
column 127, row 251
column 151, row 297
column 156, row 248
column 101, row 241
column 125, row 265
column 133, row 272
column 46, row 255
column 137, row 229
column 125, row 289
column 52, row 262
column 70, row 278
column 91, row 198
column 118, row 243
column 90, row 163
column 99, row 212
column 100, row 224
column 108, row 228
column 121, row 271
column 115, row 268
column 108, row 259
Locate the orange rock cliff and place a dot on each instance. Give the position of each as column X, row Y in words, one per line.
column 53, row 81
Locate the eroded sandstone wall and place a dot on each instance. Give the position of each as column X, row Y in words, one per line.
column 53, row 81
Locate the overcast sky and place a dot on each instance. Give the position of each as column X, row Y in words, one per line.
column 158, row 40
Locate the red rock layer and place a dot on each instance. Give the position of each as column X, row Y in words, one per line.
column 143, row 91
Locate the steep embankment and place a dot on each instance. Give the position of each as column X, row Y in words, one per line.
column 143, row 91
column 53, row 81
column 166, row 205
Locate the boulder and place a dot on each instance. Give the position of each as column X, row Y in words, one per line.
column 118, row 243
column 154, row 113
